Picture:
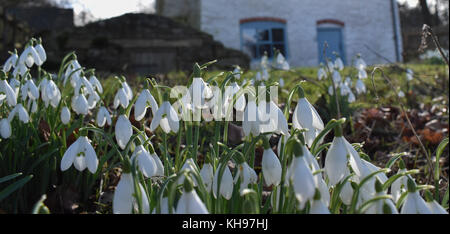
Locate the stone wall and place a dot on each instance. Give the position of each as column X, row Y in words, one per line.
column 367, row 22
column 144, row 44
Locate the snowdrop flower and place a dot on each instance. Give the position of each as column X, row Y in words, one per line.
column 281, row 82
column 400, row 185
column 144, row 100
column 29, row 57
column 321, row 73
column 199, row 93
column 190, row 202
column 330, row 66
column 414, row 203
column 258, row 76
column 188, row 165
column 302, row 179
column 93, row 99
column 339, row 64
column 230, row 92
column 351, row 97
column 159, row 165
column 33, row 104
column 247, row 176
column 237, row 72
column 207, row 174
column 103, row 117
column 72, row 72
column 29, row 89
column 401, row 94
column 41, row 52
column 95, row 83
column 271, row 166
column 281, row 62
column 336, row 77
column 81, row 154
column 359, row 63
column 362, row 74
column 336, row 160
column 124, row 201
column 5, row 128
column 409, row 74
column 15, row 84
column 144, row 161
column 123, row 96
column 381, row 206
column 436, row 208
column 11, row 97
column 226, row 185
column 65, row 115
column 80, row 105
column 21, row 111
column 10, row 62
column 344, row 89
column 317, row 205
column 265, row 74
column 360, row 87
column 306, row 116
column 166, row 117
column 271, row 118
column 20, row 69
column 123, row 131
column 251, row 120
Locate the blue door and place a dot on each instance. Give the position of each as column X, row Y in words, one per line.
column 333, row 37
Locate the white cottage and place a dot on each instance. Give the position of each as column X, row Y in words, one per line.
column 298, row 28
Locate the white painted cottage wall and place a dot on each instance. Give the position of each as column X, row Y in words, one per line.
column 367, row 22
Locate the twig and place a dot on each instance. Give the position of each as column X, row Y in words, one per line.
column 406, row 115
column 427, row 31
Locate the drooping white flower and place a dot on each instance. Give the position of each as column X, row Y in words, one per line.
column 53, row 93
column 29, row 89
column 226, row 184
column 230, row 92
column 123, row 131
column 11, row 97
column 41, row 52
column 271, row 168
column 281, row 63
column 159, row 165
column 10, row 62
column 336, row 77
column 121, row 98
column 362, row 74
column 306, row 116
column 436, row 208
column 15, row 85
column 95, row 83
column 65, row 115
column 247, row 176
column 360, row 64
column 415, row 204
column 188, row 165
column 72, row 73
column 409, row 74
column 93, row 99
column 144, row 161
column 80, row 104
column 21, row 69
column 198, row 95
column 5, row 128
column 29, row 57
column 237, row 72
column 144, row 100
column 271, row 118
column 318, row 206
column 190, row 203
column 339, row 64
column 81, row 154
column 251, row 120
column 302, row 180
column 103, row 117
column 360, row 86
column 21, row 112
column 336, row 160
column 124, row 201
column 399, row 186
column 321, row 73
column 351, row 97
column 281, row 82
column 207, row 174
column 265, row 74
column 167, row 117
column 401, row 94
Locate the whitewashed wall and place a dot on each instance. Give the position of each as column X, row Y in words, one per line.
column 367, row 22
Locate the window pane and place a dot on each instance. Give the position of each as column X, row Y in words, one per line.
column 277, row 35
column 249, row 35
column 281, row 48
column 263, row 34
column 250, row 50
column 265, row 48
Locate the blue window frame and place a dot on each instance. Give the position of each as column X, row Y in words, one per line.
column 334, row 38
column 258, row 37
